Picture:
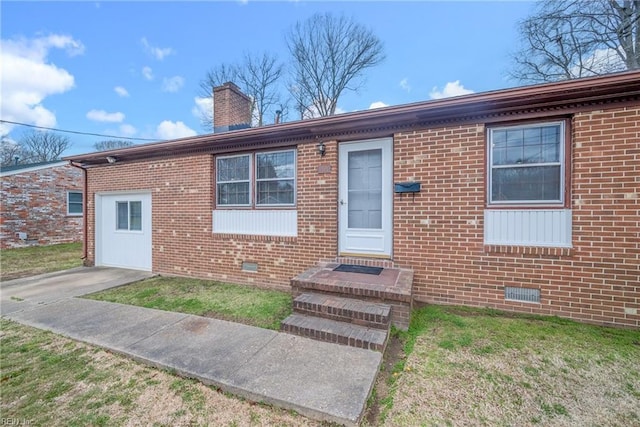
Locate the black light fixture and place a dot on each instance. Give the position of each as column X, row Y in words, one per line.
column 321, row 148
column 111, row 159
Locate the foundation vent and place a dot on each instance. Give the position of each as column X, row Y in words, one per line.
column 250, row 266
column 521, row 294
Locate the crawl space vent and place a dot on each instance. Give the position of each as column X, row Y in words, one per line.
column 521, row 294
column 250, row 266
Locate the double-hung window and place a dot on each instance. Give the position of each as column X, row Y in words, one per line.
column 74, row 203
column 526, row 164
column 275, row 178
column 234, row 181
column 263, row 179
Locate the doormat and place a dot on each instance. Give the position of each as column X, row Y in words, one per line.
column 362, row 269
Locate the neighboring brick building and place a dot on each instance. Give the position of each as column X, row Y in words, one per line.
column 529, row 199
column 41, row 204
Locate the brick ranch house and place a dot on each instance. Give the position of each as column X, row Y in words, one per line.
column 41, row 204
column 524, row 199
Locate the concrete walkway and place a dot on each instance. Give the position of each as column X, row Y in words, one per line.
column 320, row 380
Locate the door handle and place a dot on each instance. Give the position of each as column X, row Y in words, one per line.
column 342, row 202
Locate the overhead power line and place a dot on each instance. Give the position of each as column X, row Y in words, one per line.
column 78, row 132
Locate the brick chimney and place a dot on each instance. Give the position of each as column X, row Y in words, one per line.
column 231, row 108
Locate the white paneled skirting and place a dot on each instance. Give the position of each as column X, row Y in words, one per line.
column 256, row 222
column 528, row 227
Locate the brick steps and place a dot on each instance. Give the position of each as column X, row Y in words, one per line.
column 349, row 310
column 333, row 331
column 392, row 287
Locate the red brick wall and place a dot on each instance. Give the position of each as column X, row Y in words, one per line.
column 439, row 233
column 35, row 203
column 183, row 200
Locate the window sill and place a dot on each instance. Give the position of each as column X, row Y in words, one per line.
column 253, row 237
column 523, row 206
column 529, row 250
column 256, row 208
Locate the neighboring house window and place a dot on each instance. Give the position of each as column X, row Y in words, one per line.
column 74, row 203
column 526, row 164
column 273, row 180
column 129, row 216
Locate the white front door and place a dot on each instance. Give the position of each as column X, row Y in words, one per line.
column 365, row 198
column 123, row 230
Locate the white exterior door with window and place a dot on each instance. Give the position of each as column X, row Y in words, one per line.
column 123, row 230
column 365, row 198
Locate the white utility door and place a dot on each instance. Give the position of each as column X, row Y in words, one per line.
column 123, row 230
column 365, row 198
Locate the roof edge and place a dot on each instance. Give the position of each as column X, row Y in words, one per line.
column 551, row 96
column 13, row 170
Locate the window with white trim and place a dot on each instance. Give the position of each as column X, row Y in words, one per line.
column 275, row 178
column 74, row 203
column 234, row 181
column 526, row 164
column 263, row 179
column 129, row 216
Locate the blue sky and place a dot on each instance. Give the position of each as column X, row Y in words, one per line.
column 133, row 69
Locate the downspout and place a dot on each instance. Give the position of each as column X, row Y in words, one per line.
column 85, row 226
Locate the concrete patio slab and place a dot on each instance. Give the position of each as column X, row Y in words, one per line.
column 51, row 287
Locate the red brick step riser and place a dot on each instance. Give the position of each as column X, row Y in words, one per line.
column 333, row 338
column 343, row 315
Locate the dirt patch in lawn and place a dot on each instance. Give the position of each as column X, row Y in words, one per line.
column 382, row 390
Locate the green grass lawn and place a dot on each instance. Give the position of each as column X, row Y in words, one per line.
column 244, row 304
column 24, row 262
column 481, row 367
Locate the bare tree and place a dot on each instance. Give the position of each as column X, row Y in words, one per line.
column 44, row 146
column 11, row 153
column 111, row 144
column 571, row 39
column 257, row 76
column 329, row 55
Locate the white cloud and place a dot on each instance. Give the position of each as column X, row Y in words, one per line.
column 157, row 52
column 122, row 92
column 172, row 84
column 450, row 89
column 173, row 130
column 103, row 116
column 127, row 130
column 28, row 78
column 404, row 84
column 601, row 61
column 147, row 73
column 378, row 104
column 203, row 107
